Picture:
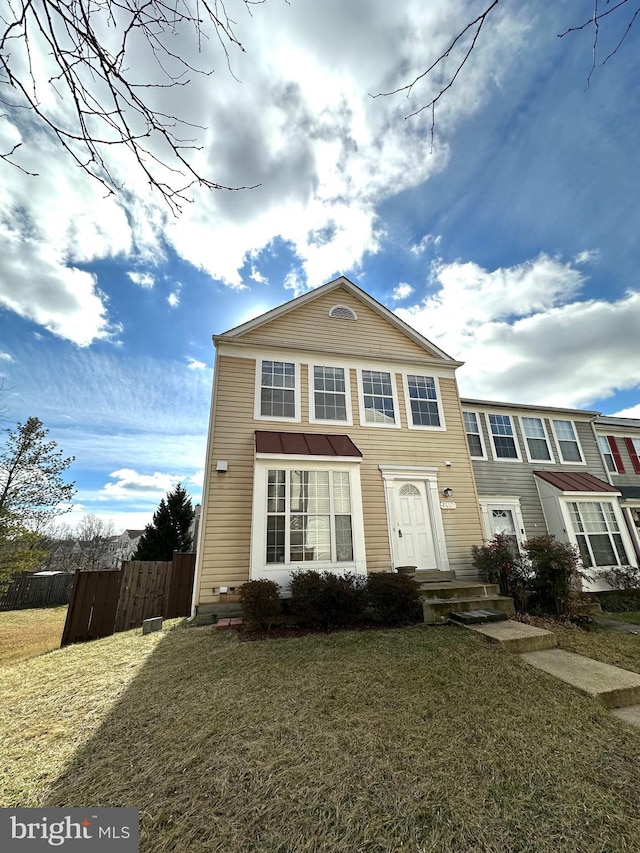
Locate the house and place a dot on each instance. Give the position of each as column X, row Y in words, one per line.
column 120, row 548
column 541, row 469
column 619, row 441
column 337, row 443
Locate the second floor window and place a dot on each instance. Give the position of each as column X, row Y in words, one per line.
column 567, row 441
column 605, row 447
column 377, row 395
column 503, row 437
column 423, row 399
column 536, row 439
column 277, row 390
column 329, row 394
column 474, row 436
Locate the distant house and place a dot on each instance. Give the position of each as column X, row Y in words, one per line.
column 336, row 443
column 121, row 548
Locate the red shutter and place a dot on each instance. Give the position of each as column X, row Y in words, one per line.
column 613, row 444
column 634, row 456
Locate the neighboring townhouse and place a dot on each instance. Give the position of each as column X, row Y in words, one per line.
column 336, row 442
column 540, row 469
column 619, row 440
column 121, row 547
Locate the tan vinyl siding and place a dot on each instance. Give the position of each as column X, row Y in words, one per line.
column 227, row 518
column 311, row 327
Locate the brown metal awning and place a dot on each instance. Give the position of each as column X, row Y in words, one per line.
column 305, row 444
column 568, row 481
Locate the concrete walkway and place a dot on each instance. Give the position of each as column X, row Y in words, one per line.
column 617, row 689
column 616, row 624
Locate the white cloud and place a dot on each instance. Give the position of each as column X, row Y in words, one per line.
column 257, row 276
column 143, row 279
column 174, row 297
column 37, row 284
column 5, row 356
column 194, row 364
column 525, row 336
column 402, row 291
column 130, row 482
column 428, row 240
column 301, row 126
column 632, row 412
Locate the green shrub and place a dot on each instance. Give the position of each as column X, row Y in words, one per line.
column 496, row 563
column 261, row 603
column 394, row 598
column 555, row 582
column 618, row 600
column 326, row 600
column 621, row 577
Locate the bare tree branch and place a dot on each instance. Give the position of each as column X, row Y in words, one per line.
column 92, row 46
column 408, row 88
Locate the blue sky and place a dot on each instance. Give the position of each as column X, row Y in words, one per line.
column 513, row 244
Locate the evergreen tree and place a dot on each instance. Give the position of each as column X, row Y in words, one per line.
column 169, row 530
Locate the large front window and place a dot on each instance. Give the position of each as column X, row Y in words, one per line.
column 308, row 517
column 597, row 533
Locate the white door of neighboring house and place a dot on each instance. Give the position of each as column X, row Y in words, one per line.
column 414, row 545
column 505, row 518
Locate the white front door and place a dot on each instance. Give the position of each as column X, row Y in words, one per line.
column 412, row 531
column 505, row 519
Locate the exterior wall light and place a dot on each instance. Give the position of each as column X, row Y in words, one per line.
column 447, row 492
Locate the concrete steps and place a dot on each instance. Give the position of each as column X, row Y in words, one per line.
column 614, row 687
column 440, row 599
column 516, row 637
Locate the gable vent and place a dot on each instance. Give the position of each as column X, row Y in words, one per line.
column 342, row 312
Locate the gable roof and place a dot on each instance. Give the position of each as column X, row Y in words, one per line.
column 358, row 293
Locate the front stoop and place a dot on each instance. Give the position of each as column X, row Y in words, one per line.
column 439, row 601
column 614, row 687
column 515, row 637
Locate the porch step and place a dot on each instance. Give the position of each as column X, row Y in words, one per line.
column 458, row 589
column 433, row 576
column 516, row 637
column 478, row 617
column 437, row 611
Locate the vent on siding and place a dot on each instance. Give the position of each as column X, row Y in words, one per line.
column 342, row 312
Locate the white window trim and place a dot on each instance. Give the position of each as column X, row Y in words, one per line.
column 312, row 399
column 258, row 388
column 561, row 460
column 499, row 502
column 281, row 572
column 438, row 400
column 550, row 461
column 596, row 497
column 482, row 441
column 429, row 476
column 512, row 418
column 394, row 393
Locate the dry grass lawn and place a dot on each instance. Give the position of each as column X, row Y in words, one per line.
column 27, row 633
column 632, row 616
column 413, row 740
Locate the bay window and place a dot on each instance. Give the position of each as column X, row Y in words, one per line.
column 308, row 516
column 597, row 533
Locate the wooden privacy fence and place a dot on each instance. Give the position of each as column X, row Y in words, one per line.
column 105, row 602
column 27, row 591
